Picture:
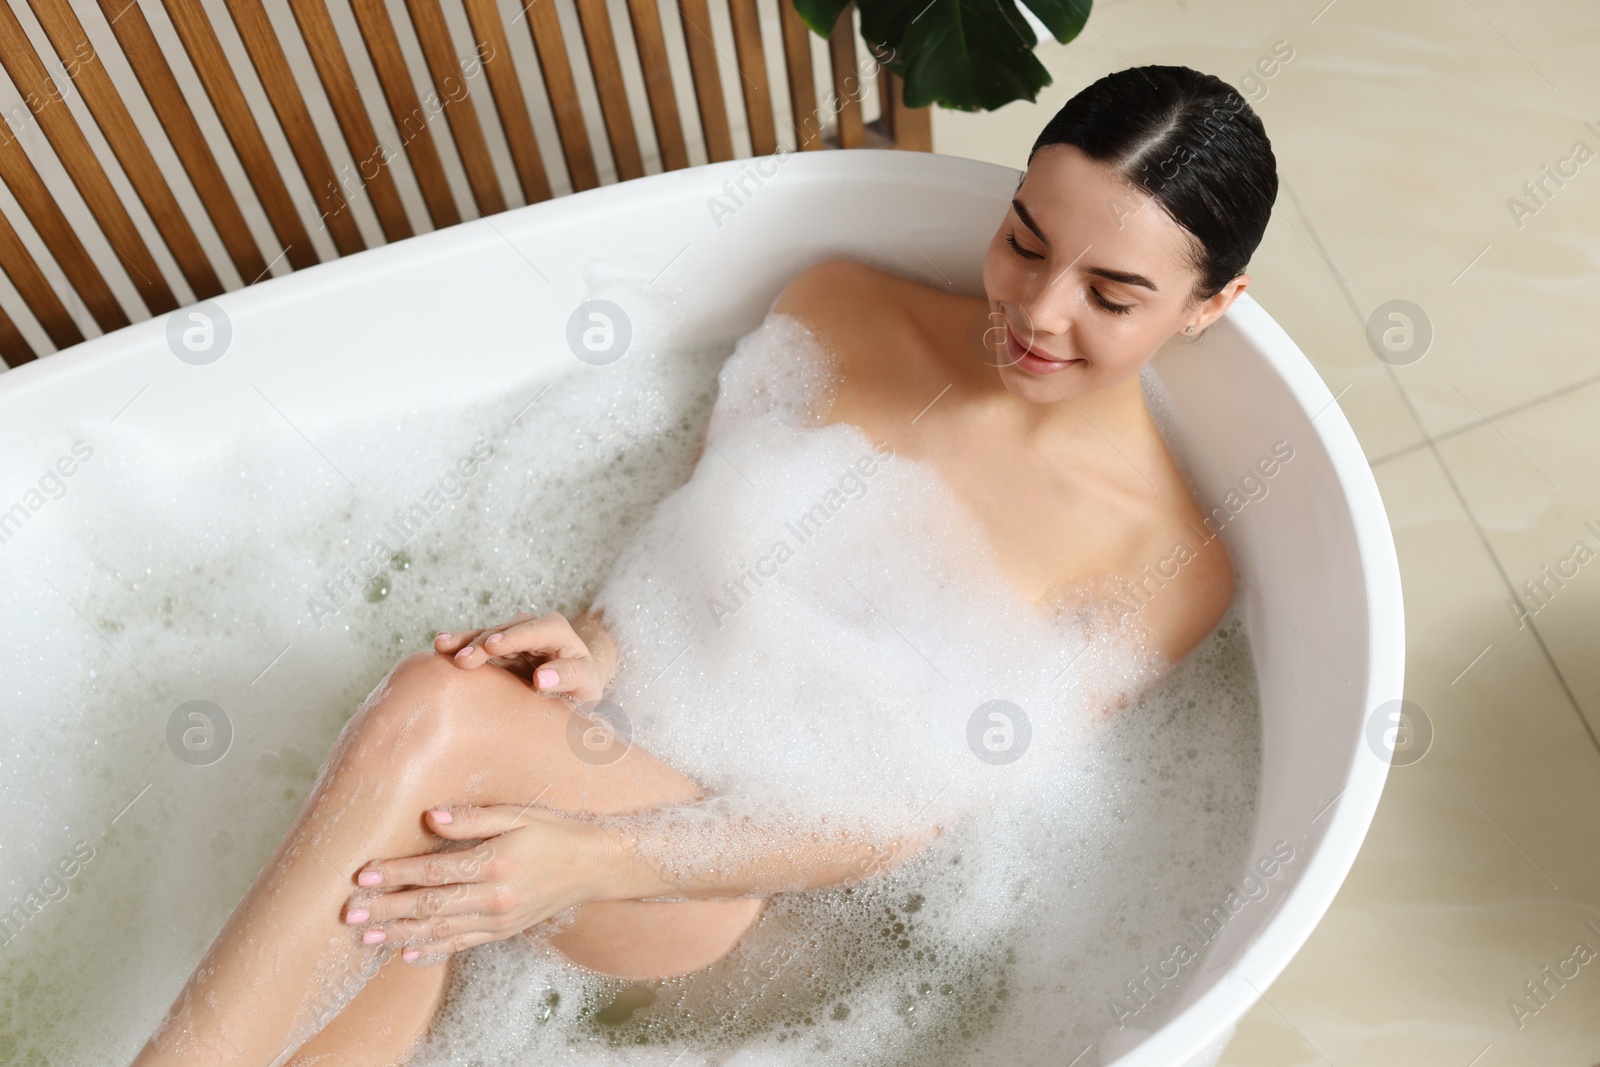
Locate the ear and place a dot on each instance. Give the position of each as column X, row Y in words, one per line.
column 1213, row 309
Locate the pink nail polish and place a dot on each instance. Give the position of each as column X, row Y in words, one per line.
column 373, row 937
column 547, row 677
column 466, row 650
column 494, row 639
column 369, row 878
column 442, row 816
column 442, row 634
column 410, row 954
column 357, row 915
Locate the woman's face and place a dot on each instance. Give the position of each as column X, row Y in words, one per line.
column 1097, row 280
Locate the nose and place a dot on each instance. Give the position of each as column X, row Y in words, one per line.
column 1046, row 306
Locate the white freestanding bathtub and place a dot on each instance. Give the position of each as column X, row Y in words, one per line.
column 472, row 310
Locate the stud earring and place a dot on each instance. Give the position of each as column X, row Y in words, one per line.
column 1188, row 329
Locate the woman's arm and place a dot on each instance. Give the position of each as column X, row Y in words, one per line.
column 704, row 850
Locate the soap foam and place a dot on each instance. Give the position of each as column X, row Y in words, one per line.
column 1055, row 877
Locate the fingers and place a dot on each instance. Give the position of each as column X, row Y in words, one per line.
column 470, row 822
column 548, row 635
column 451, row 641
column 580, row 677
column 431, row 953
column 434, row 868
column 378, row 916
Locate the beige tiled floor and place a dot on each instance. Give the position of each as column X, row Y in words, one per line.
column 1401, row 130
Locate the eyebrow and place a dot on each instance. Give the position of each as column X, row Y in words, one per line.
column 1123, row 276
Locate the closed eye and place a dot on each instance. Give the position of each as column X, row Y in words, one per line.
column 1115, row 309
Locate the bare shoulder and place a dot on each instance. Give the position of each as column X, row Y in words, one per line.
column 1185, row 580
column 839, row 293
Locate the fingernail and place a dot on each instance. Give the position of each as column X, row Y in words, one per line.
column 466, row 650
column 547, row 677
column 410, row 954
column 357, row 915
column 494, row 639
column 440, row 815
column 372, row 937
column 442, row 634
column 369, row 878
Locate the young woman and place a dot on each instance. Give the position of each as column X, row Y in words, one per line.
column 1143, row 199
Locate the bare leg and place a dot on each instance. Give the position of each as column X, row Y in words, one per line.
column 431, row 734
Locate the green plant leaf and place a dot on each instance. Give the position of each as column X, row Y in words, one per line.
column 821, row 15
column 1065, row 19
column 969, row 55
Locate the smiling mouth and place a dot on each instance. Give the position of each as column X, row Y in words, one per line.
column 1019, row 349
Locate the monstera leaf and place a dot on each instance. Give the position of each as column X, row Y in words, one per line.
column 971, row 55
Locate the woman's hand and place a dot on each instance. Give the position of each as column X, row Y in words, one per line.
column 547, row 652
column 531, row 864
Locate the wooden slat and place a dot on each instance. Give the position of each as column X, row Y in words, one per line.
column 35, row 290
column 910, row 128
column 456, row 99
column 494, row 54
column 846, row 79
column 71, row 43
column 205, row 53
column 544, row 25
column 651, row 44
column 27, row 73
column 707, row 80
column 339, row 83
column 41, row 209
column 806, row 120
column 753, row 83
column 601, row 45
column 411, row 123
column 14, row 348
column 272, row 67
column 149, row 65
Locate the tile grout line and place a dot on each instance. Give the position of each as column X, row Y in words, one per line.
column 1478, row 423
column 1433, row 447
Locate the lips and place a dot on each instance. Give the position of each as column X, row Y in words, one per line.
column 1033, row 358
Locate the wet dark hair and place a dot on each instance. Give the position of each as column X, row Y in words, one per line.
column 1191, row 142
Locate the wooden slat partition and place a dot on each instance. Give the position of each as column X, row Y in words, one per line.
column 28, row 74
column 753, row 84
column 339, row 84
column 211, row 64
column 544, row 25
column 51, row 224
column 292, row 101
column 846, row 80
column 410, row 122
column 601, row 46
column 71, row 43
column 161, row 89
column 645, row 17
column 806, row 120
column 272, row 67
column 696, row 18
column 510, row 105
column 456, row 102
column 30, row 281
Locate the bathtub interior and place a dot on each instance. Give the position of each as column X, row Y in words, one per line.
column 473, row 312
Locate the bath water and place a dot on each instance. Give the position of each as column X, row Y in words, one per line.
column 231, row 600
